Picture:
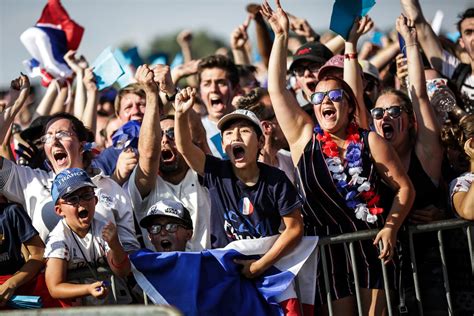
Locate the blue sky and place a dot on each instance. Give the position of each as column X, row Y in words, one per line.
column 113, row 22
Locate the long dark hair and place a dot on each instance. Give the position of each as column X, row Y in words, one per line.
column 83, row 133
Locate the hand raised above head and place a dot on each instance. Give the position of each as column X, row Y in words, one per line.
column 162, row 77
column 278, row 19
column 77, row 64
column 89, row 80
column 145, row 77
column 406, row 28
column 19, row 87
column 361, row 26
column 239, row 36
column 184, row 37
column 184, row 100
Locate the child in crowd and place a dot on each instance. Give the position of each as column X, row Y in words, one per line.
column 248, row 199
column 80, row 241
column 169, row 225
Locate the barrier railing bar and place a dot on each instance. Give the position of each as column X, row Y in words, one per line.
column 326, row 279
column 445, row 272
column 385, row 283
column 440, row 225
column 470, row 242
column 114, row 292
column 415, row 273
column 356, row 277
column 145, row 298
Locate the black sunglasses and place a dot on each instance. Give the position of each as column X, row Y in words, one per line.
column 394, row 111
column 76, row 199
column 300, row 69
column 334, row 95
column 169, row 133
column 170, row 228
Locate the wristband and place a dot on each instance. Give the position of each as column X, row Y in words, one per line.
column 350, row 56
column 121, row 264
column 172, row 97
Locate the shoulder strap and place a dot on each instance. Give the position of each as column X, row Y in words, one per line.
column 460, row 74
column 365, row 138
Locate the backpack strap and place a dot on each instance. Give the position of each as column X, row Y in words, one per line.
column 460, row 74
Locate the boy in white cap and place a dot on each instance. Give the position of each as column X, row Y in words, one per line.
column 169, row 225
column 248, row 199
column 80, row 241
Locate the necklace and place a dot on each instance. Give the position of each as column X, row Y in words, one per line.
column 358, row 192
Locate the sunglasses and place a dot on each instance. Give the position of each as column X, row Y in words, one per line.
column 74, row 200
column 394, row 111
column 169, row 133
column 300, row 69
column 61, row 135
column 334, row 95
column 170, row 228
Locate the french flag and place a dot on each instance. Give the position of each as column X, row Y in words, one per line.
column 210, row 283
column 53, row 35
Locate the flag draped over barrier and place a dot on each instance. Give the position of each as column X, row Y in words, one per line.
column 52, row 36
column 210, row 283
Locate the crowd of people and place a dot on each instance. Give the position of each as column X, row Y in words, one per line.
column 322, row 136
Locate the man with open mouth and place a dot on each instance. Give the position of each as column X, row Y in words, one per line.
column 218, row 82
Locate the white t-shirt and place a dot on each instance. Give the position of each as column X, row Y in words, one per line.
column 450, row 63
column 286, row 164
column 190, row 193
column 63, row 243
column 32, row 189
column 461, row 184
column 214, row 138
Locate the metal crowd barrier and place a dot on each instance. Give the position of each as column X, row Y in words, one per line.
column 102, row 272
column 350, row 238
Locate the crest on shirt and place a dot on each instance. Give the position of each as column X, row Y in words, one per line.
column 106, row 200
column 245, row 206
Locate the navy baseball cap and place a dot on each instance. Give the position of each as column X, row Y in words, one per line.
column 68, row 181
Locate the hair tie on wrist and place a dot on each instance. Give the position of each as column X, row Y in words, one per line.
column 350, row 56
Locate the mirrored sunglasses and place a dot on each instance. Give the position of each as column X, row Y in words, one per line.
column 334, row 95
column 170, row 228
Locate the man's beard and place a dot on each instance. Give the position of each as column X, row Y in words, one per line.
column 169, row 168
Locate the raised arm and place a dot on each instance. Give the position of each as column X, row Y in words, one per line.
column 19, row 91
column 149, row 141
column 295, row 123
column 193, row 155
column 76, row 65
column 46, row 104
column 390, row 168
column 117, row 258
column 238, row 39
column 428, row 39
column 352, row 70
column 89, row 117
column 264, row 41
column 302, row 28
column 184, row 40
column 428, row 145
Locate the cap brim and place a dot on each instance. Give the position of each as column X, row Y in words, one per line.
column 76, row 187
column 146, row 221
column 297, row 59
column 235, row 116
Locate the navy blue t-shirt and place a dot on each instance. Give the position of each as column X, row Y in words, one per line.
column 239, row 211
column 15, row 229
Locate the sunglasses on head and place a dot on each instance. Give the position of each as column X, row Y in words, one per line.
column 169, row 133
column 170, row 228
column 394, row 111
column 334, row 95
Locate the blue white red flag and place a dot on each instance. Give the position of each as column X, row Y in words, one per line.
column 52, row 36
column 210, row 283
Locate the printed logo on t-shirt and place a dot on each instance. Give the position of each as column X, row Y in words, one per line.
column 106, row 200
column 245, row 206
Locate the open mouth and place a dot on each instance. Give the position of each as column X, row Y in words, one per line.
column 167, row 155
column 387, row 131
column 60, row 158
column 311, row 86
column 329, row 113
column 166, row 245
column 238, row 151
column 83, row 214
column 215, row 102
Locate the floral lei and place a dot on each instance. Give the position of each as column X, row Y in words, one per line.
column 358, row 192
